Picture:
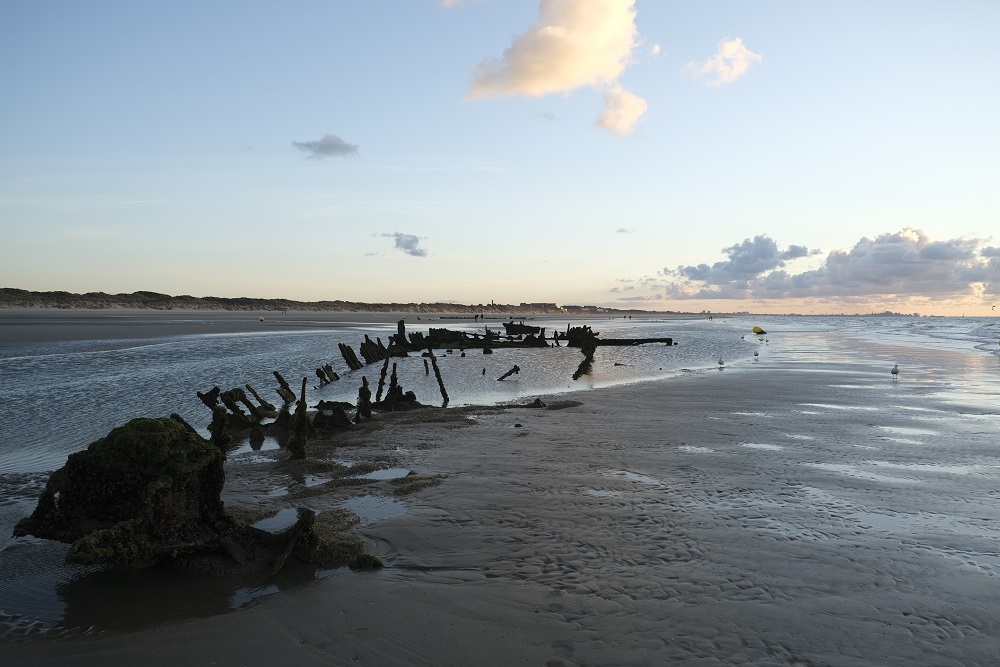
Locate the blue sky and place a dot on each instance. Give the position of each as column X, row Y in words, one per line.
column 767, row 156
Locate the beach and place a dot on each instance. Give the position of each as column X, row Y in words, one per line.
column 787, row 512
column 31, row 325
column 762, row 515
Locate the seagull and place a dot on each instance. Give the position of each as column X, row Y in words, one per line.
column 895, row 371
column 755, row 355
column 722, row 364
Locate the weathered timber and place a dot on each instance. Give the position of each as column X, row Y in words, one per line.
column 350, row 357
column 373, row 351
column 242, row 397
column 393, row 383
column 263, row 404
column 446, row 338
column 396, row 398
column 364, row 402
column 576, row 336
column 332, row 416
column 301, row 427
column 586, row 340
column 437, row 374
column 210, row 398
column 401, row 346
column 520, row 328
column 285, row 391
column 381, row 377
column 513, row 371
column 149, row 493
column 623, row 342
column 218, row 427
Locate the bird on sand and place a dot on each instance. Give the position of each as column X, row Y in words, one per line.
column 755, row 355
column 721, row 363
column 895, row 371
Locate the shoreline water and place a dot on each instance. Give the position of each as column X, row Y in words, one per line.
column 152, row 364
column 803, row 508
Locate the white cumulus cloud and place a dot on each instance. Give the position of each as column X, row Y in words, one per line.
column 574, row 44
column 622, row 110
column 730, row 62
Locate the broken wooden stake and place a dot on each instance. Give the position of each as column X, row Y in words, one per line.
column 437, row 374
column 513, row 371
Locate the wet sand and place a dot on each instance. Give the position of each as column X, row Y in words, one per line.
column 24, row 325
column 768, row 515
column 33, row 325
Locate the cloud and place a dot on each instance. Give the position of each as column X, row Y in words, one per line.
column 408, row 243
column 730, row 62
column 624, row 230
column 448, row 4
column 573, row 44
column 622, row 110
column 747, row 260
column 907, row 263
column 654, row 50
column 991, row 251
column 329, row 146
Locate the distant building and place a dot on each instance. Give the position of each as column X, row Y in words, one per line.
column 540, row 306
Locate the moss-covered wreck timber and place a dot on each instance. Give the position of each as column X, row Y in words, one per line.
column 373, row 351
column 265, row 405
column 149, row 493
column 578, row 336
column 231, row 399
column 447, row 338
column 585, row 339
column 331, row 416
column 228, row 419
column 350, row 358
column 301, row 427
column 284, row 390
column 364, row 409
column 396, row 398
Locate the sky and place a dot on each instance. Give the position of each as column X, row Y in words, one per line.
column 769, row 156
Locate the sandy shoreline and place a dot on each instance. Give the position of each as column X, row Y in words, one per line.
column 41, row 325
column 34, row 325
column 770, row 515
